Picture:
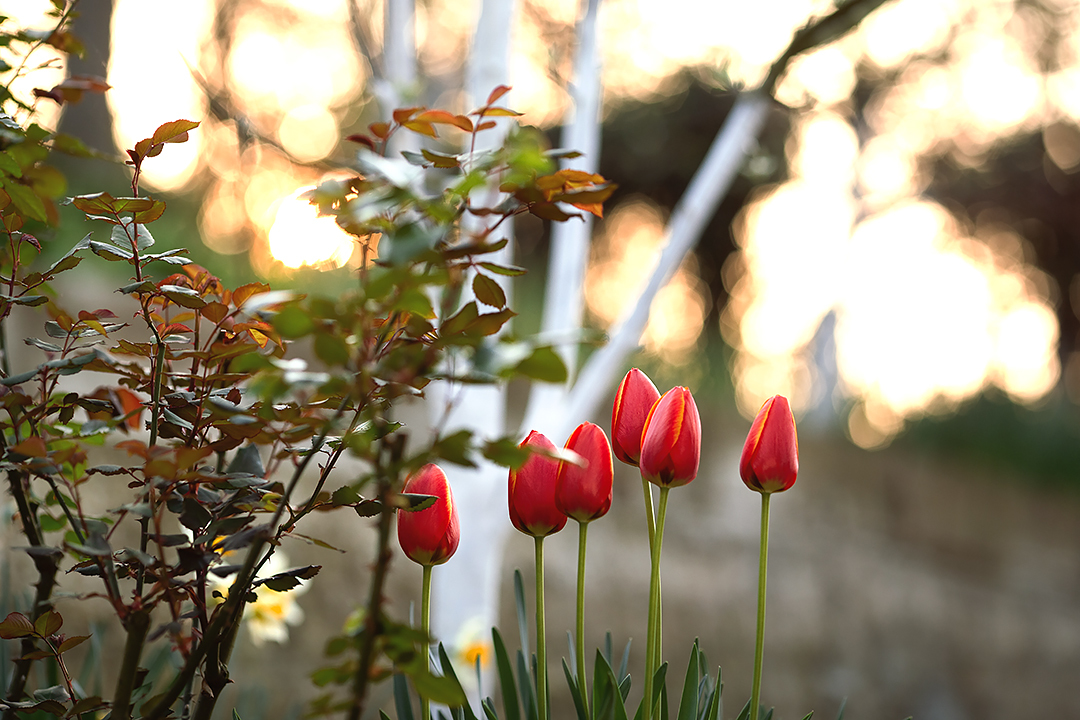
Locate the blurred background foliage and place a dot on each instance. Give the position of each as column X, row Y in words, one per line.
column 899, row 256
column 900, row 251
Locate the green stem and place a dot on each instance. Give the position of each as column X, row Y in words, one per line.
column 541, row 632
column 650, row 521
column 425, row 627
column 763, row 563
column 137, row 625
column 582, row 677
column 652, row 652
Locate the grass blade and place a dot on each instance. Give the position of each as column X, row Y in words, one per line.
column 688, row 703
column 402, row 702
column 575, row 691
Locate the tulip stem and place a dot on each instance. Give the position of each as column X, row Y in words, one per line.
column 652, row 652
column 650, row 520
column 425, row 627
column 583, row 680
column 541, row 631
column 763, row 563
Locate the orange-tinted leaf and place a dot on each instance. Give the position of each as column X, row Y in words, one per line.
column 133, row 447
column 423, row 128
column 403, row 115
column 501, row 112
column 16, row 625
column 31, row 447
column 380, row 130
column 215, row 312
column 485, row 125
column 241, row 294
column 441, row 117
column 497, row 93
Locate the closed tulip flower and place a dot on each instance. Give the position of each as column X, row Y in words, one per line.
column 584, row 492
column 671, row 440
column 770, row 458
column 635, row 398
column 429, row 536
column 532, row 491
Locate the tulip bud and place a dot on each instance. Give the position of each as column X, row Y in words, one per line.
column 770, row 458
column 429, row 536
column 671, row 440
column 584, row 492
column 635, row 398
column 532, row 491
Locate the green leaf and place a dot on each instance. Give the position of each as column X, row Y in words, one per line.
column 8, row 165
column 458, row 698
column 488, row 291
column 185, row 297
column 575, row 692
column 402, row 703
column 293, row 322
column 26, row 201
column 122, row 234
column 688, row 703
column 48, row 623
column 456, row 324
column 331, row 349
column 511, row 708
column 456, row 448
column 413, row 502
column 504, row 451
column 507, row 270
column 543, row 364
column 247, row 462
column 716, row 706
column 111, row 253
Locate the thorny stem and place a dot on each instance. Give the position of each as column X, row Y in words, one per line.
column 137, row 625
column 228, row 612
column 47, row 564
column 373, row 619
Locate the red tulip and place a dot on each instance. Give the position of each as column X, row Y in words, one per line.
column 429, row 536
column 770, row 458
column 635, row 398
column 532, row 491
column 584, row 493
column 671, row 440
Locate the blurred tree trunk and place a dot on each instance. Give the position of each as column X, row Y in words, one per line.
column 90, row 119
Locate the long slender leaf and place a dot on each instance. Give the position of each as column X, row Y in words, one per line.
column 383, row 715
column 688, row 703
column 522, row 616
column 658, row 685
column 664, row 703
column 506, row 678
column 768, row 714
column 808, row 715
column 575, row 691
column 603, row 689
column 840, row 712
column 526, row 687
column 402, row 703
column 489, row 709
column 619, row 699
column 745, row 711
column 716, row 707
column 625, row 664
column 448, row 671
column 571, row 652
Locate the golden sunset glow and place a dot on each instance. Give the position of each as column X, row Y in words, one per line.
column 300, row 236
column 623, row 257
column 929, row 310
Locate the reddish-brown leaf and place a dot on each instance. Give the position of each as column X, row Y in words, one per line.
column 497, row 93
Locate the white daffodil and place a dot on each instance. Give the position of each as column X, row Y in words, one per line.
column 267, row 618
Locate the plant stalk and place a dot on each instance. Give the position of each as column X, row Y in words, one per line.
column 582, row 676
column 137, row 625
column 541, row 633
column 650, row 520
column 652, row 652
column 763, row 564
column 425, row 626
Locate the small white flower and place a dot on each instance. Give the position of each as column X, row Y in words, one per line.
column 268, row 617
